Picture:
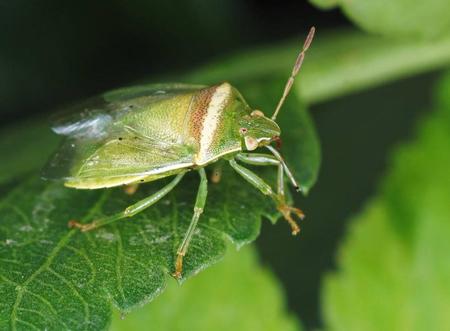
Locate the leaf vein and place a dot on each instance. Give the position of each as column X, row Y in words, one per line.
column 119, row 261
column 49, row 261
column 9, row 281
column 83, row 254
column 28, row 324
column 44, row 300
column 74, row 291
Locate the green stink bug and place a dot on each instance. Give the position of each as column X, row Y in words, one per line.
column 143, row 133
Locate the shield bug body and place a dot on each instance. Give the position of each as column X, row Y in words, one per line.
column 143, row 133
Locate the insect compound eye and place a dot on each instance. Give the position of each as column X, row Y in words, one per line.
column 243, row 130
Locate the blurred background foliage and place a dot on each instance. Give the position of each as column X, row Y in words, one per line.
column 394, row 268
column 214, row 300
column 371, row 82
column 399, row 18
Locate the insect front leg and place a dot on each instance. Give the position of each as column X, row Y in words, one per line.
column 131, row 210
column 265, row 188
column 259, row 159
column 198, row 210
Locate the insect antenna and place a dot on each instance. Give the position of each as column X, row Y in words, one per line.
column 295, row 70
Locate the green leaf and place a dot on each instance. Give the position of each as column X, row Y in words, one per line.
column 55, row 278
column 58, row 278
column 25, row 147
column 218, row 299
column 393, row 268
column 396, row 17
column 338, row 63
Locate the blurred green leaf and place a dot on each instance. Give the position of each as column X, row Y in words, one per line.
column 219, row 299
column 396, row 17
column 56, row 278
column 393, row 268
column 25, row 147
column 338, row 63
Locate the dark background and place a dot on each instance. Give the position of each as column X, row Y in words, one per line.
column 53, row 53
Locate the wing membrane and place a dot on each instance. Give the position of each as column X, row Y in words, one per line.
column 109, row 142
column 94, row 117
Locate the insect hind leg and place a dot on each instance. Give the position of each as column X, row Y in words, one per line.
column 131, row 189
column 131, row 210
column 216, row 174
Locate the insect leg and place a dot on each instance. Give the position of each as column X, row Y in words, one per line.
column 265, row 188
column 130, row 189
column 198, row 210
column 216, row 174
column 260, row 159
column 131, row 210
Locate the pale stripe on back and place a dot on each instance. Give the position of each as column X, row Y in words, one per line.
column 212, row 119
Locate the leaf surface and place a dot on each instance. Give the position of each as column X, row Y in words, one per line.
column 219, row 299
column 393, row 268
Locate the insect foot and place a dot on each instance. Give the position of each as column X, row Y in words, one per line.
column 178, row 266
column 216, row 175
column 83, row 227
column 130, row 189
column 287, row 211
